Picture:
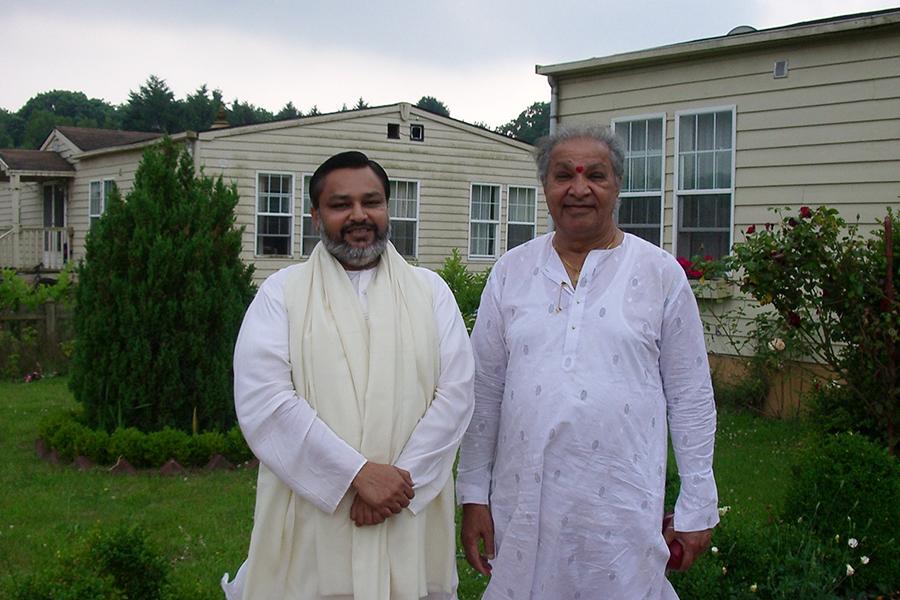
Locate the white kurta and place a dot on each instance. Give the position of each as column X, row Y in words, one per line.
column 286, row 435
column 573, row 391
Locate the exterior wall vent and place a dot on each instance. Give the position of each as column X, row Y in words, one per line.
column 780, row 70
column 417, row 132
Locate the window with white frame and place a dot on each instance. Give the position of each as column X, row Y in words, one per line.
column 404, row 212
column 705, row 182
column 274, row 213
column 484, row 220
column 641, row 195
column 99, row 193
column 521, row 218
column 308, row 233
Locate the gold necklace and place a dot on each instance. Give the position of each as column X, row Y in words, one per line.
column 577, row 270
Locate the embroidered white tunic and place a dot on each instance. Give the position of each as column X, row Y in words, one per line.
column 286, row 434
column 573, row 392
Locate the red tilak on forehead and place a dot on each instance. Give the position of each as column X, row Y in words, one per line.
column 579, row 169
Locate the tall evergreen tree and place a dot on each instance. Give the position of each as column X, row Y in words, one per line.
column 153, row 108
column 288, row 112
column 531, row 124
column 200, row 108
column 244, row 113
column 432, row 104
column 161, row 295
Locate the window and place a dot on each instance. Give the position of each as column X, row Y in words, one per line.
column 484, row 220
column 393, row 131
column 274, row 213
column 404, row 212
column 309, row 235
column 641, row 205
column 521, row 216
column 417, row 132
column 100, row 191
column 705, row 182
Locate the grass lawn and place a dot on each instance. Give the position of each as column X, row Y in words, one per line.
column 202, row 521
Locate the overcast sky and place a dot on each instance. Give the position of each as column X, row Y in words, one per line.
column 478, row 57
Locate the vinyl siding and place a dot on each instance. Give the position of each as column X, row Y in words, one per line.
column 445, row 165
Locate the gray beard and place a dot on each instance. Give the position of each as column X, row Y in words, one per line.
column 352, row 256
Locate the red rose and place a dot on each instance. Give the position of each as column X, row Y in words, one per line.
column 769, row 227
column 751, row 230
column 794, row 319
column 708, row 258
column 792, row 222
column 805, row 212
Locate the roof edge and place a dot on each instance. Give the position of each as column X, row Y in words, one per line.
column 177, row 137
column 213, row 134
column 762, row 37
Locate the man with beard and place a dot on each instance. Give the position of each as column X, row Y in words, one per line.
column 353, row 386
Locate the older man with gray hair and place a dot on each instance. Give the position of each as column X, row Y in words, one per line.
column 589, row 353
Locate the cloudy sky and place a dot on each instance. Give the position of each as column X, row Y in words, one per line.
column 478, row 57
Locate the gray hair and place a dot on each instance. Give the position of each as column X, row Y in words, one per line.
column 604, row 135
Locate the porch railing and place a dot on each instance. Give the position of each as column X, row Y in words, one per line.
column 45, row 248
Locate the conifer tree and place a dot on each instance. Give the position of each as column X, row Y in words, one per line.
column 160, row 298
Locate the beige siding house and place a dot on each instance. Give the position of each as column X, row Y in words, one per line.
column 453, row 185
column 719, row 130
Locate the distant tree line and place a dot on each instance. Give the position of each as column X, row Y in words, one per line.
column 153, row 107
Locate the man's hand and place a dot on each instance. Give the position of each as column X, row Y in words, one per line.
column 363, row 514
column 385, row 488
column 694, row 544
column 478, row 525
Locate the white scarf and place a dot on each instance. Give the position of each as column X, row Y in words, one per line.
column 370, row 382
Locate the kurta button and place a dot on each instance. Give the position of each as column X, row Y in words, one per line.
column 568, row 362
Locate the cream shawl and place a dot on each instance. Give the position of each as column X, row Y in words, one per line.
column 370, row 380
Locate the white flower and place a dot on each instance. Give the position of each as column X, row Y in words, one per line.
column 724, row 570
column 852, row 543
column 864, row 559
column 723, row 510
column 837, row 538
column 753, row 588
column 776, row 345
column 714, row 550
column 850, row 571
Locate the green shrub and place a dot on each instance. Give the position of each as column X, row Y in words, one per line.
column 63, row 440
column 63, row 432
column 236, row 449
column 776, row 560
column 203, row 446
column 466, row 286
column 849, row 485
column 126, row 555
column 160, row 446
column 831, row 409
column 117, row 564
column 748, row 393
column 92, row 444
column 129, row 443
column 161, row 295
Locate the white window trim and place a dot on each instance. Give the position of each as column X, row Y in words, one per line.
column 677, row 168
column 257, row 214
column 662, row 179
column 103, row 195
column 484, row 257
column 303, row 215
column 511, row 222
column 418, row 211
